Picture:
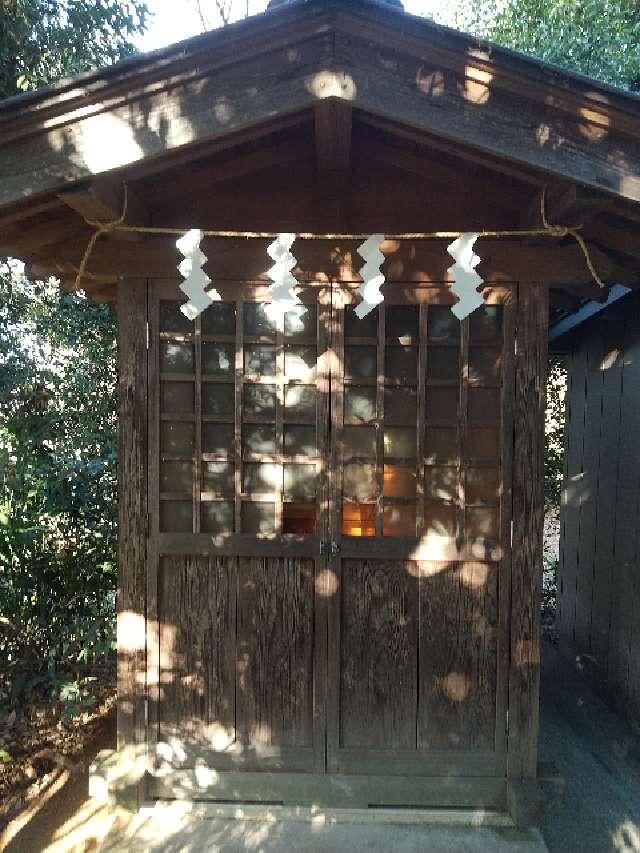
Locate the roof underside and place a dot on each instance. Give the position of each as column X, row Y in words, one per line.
column 351, row 116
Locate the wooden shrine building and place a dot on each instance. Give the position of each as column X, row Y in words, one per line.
column 330, row 527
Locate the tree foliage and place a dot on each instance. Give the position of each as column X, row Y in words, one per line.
column 600, row 38
column 42, row 40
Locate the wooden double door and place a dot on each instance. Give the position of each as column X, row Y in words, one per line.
column 329, row 548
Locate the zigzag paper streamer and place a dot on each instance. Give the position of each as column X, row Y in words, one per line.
column 372, row 278
column 465, row 279
column 195, row 279
column 282, row 290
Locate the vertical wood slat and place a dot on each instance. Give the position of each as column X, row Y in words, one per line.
column 528, row 519
column 281, row 380
column 505, row 482
column 462, row 428
column 153, row 491
column 335, row 351
column 197, row 480
column 132, row 512
column 239, row 388
column 324, row 570
column 380, row 353
column 421, row 424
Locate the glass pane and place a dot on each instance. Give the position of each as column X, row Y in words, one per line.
column 441, row 483
column 256, row 320
column 218, row 438
column 300, row 440
column 259, row 438
column 360, row 362
column 442, row 404
column 399, row 519
column 176, row 357
column 218, row 477
column 261, row 478
column 439, row 519
column 483, row 445
column 485, row 323
column 481, row 523
column 482, row 486
column 219, row 319
column 172, row 319
column 216, row 517
column 359, row 403
column 401, row 364
column 300, row 481
column 484, row 405
column 218, row 359
column 299, row 518
column 300, row 362
column 399, row 481
column 260, row 401
column 359, row 482
column 177, row 397
column 177, row 438
column 443, row 363
column 176, row 476
column 441, row 445
column 218, row 400
column 402, row 322
column 484, row 364
column 300, row 322
column 354, row 327
column 258, row 517
column 260, row 360
column 359, row 441
column 442, row 323
column 400, row 406
column 358, row 519
column 176, row 516
column 400, row 441
column 300, row 402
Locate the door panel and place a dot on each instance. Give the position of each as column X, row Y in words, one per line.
column 419, row 522
column 238, row 501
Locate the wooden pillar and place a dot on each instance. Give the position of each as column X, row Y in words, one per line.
column 526, row 565
column 132, row 532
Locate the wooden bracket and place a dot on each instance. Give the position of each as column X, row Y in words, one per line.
column 333, row 124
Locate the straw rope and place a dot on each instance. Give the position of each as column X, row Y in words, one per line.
column 546, row 230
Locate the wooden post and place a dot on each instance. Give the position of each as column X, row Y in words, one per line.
column 528, row 517
column 132, row 537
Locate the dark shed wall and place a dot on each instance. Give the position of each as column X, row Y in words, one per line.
column 599, row 589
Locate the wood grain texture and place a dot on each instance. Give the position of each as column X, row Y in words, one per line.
column 458, row 655
column 196, row 608
column 379, row 632
column 528, row 516
column 132, row 511
column 275, row 651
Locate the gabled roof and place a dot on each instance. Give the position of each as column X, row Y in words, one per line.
column 405, row 70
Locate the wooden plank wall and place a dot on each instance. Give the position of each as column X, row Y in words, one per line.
column 599, row 577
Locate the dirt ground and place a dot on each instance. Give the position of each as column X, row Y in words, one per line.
column 594, row 750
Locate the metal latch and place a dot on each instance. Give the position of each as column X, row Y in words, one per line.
column 329, row 549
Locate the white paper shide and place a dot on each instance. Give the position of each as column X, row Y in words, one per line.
column 283, row 293
column 372, row 278
column 466, row 280
column 195, row 279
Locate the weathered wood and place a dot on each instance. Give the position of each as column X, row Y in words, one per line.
column 458, row 659
column 337, row 791
column 275, row 644
column 528, row 516
column 379, row 654
column 376, row 65
column 197, row 611
column 132, row 515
